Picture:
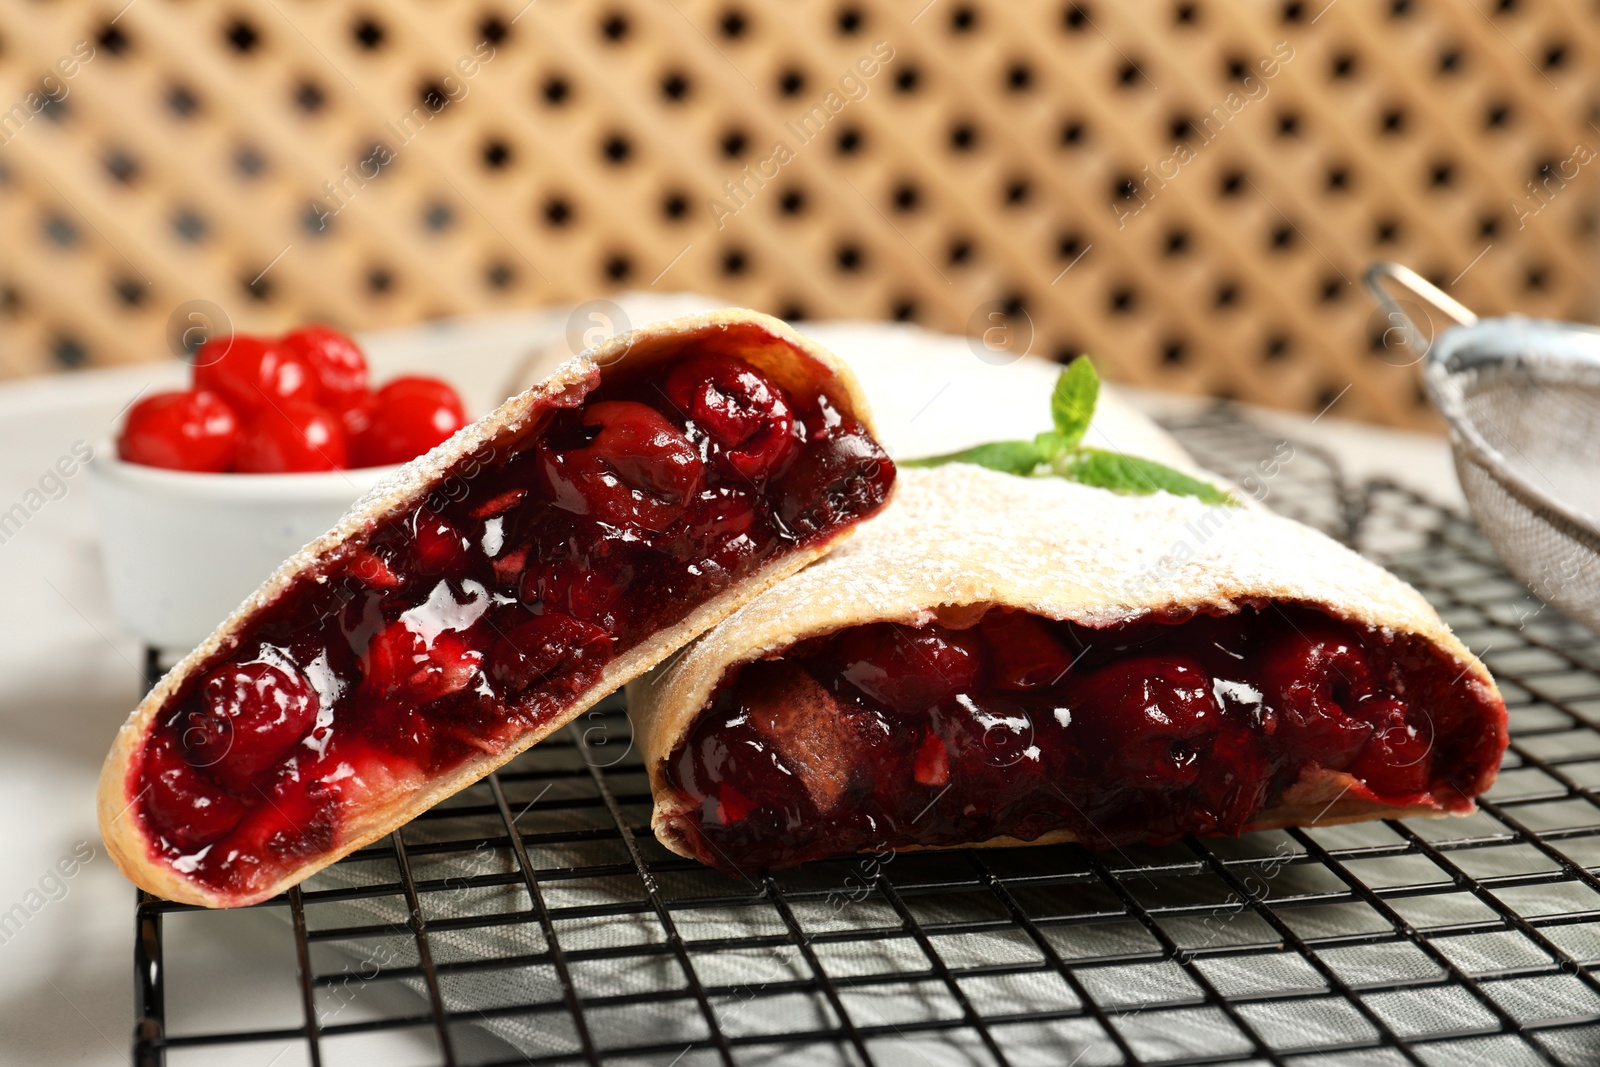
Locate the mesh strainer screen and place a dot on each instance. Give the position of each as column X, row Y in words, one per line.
column 1560, row 569
column 1543, row 427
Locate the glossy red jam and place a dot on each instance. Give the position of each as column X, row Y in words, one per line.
column 464, row 624
column 884, row 736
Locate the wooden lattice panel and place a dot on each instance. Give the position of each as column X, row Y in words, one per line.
column 1189, row 190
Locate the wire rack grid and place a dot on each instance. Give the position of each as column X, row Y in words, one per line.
column 533, row 918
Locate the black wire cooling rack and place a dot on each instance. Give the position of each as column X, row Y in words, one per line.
column 533, row 918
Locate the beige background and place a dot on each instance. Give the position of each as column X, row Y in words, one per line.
column 947, row 162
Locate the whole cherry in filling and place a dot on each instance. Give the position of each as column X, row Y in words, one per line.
column 737, row 407
column 625, row 465
column 464, row 623
column 887, row 735
column 252, row 715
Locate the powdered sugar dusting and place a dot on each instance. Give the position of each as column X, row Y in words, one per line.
column 963, row 537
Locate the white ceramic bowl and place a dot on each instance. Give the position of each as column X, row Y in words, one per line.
column 183, row 550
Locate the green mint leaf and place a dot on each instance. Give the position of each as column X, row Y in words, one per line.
column 1131, row 474
column 1012, row 457
column 1051, row 445
column 1072, row 403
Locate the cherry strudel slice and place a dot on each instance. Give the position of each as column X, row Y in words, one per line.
column 487, row 594
column 1000, row 660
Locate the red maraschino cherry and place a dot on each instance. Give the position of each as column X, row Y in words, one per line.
column 408, row 416
column 253, row 373
column 190, row 431
column 292, row 436
column 336, row 361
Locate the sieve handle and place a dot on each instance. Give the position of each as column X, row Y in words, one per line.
column 1384, row 276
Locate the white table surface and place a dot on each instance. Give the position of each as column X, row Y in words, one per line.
column 69, row 674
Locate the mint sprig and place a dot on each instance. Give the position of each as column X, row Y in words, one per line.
column 1073, row 399
column 1123, row 473
column 1060, row 452
column 1012, row 457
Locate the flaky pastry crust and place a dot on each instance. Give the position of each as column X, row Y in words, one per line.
column 960, row 540
column 771, row 345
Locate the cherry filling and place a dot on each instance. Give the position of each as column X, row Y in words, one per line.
column 883, row 736
column 457, row 628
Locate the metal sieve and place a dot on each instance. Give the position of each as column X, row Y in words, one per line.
column 1522, row 397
